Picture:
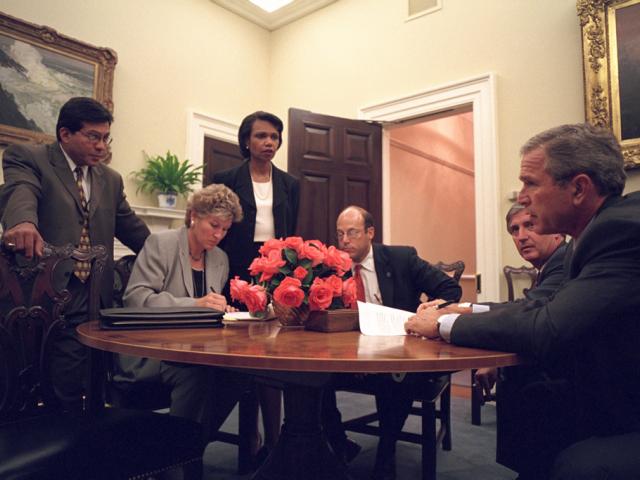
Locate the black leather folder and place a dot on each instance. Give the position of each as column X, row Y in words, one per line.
column 159, row 317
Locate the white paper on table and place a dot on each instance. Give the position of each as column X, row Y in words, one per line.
column 380, row 320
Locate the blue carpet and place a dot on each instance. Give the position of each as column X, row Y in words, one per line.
column 472, row 456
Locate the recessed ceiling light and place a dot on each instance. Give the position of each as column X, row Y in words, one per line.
column 270, row 5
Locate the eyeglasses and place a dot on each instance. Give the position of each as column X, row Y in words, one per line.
column 94, row 137
column 351, row 234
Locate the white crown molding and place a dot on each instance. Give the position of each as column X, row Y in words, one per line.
column 274, row 20
column 480, row 92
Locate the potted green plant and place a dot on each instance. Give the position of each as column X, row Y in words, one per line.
column 168, row 176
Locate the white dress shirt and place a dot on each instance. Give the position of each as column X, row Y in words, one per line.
column 86, row 181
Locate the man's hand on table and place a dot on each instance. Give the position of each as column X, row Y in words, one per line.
column 425, row 322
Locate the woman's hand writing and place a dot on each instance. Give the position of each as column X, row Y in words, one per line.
column 212, row 300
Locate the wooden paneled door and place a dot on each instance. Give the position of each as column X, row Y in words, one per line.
column 339, row 163
column 219, row 155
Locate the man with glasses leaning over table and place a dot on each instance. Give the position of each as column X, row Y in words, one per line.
column 584, row 422
column 63, row 193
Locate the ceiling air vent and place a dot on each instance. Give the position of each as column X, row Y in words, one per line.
column 418, row 8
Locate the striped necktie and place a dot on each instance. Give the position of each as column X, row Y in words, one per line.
column 82, row 269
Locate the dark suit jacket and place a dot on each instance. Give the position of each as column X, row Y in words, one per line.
column 550, row 277
column 238, row 244
column 590, row 328
column 40, row 188
column 403, row 276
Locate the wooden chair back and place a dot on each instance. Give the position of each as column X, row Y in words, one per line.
column 33, row 296
column 455, row 269
column 121, row 272
column 513, row 273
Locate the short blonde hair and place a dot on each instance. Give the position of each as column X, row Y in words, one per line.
column 214, row 199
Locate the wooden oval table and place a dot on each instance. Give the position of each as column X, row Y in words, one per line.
column 269, row 350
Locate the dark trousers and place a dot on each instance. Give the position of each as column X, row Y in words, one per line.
column 69, row 359
column 534, row 421
column 393, row 401
column 600, row 458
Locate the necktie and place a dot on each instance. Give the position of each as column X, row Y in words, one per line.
column 82, row 269
column 359, row 284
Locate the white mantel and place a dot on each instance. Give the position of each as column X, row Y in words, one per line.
column 157, row 219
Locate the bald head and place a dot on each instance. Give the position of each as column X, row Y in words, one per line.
column 355, row 231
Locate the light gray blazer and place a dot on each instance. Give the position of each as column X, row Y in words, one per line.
column 162, row 275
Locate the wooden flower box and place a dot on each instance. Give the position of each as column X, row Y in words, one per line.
column 341, row 320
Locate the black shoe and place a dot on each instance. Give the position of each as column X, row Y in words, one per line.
column 385, row 467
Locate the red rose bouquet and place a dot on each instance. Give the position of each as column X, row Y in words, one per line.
column 297, row 274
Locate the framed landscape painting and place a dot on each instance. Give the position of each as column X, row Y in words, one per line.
column 611, row 57
column 40, row 69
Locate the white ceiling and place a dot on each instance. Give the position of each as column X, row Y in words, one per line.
column 274, row 20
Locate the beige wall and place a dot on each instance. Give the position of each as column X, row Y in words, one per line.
column 192, row 54
column 355, row 53
column 372, row 55
column 172, row 56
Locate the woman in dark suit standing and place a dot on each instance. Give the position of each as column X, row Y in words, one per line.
column 269, row 199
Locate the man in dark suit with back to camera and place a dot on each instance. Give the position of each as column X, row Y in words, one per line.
column 393, row 276
column 63, row 193
column 584, row 421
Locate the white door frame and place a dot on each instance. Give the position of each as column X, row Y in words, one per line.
column 479, row 92
column 200, row 125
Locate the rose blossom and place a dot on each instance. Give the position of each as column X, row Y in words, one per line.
column 289, row 293
column 313, row 250
column 238, row 288
column 293, row 242
column 272, row 244
column 338, row 260
column 267, row 265
column 300, row 273
column 349, row 293
column 255, row 298
column 335, row 283
column 320, row 295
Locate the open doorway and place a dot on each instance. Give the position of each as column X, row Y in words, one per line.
column 479, row 92
column 432, row 192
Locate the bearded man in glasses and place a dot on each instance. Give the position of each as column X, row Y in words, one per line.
column 63, row 193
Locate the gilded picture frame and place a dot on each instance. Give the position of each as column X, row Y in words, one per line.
column 611, row 59
column 40, row 69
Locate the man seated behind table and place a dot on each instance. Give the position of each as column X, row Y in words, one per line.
column 394, row 276
column 584, row 422
column 63, row 193
column 545, row 253
column 184, row 267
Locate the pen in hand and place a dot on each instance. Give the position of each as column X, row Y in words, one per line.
column 445, row 304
